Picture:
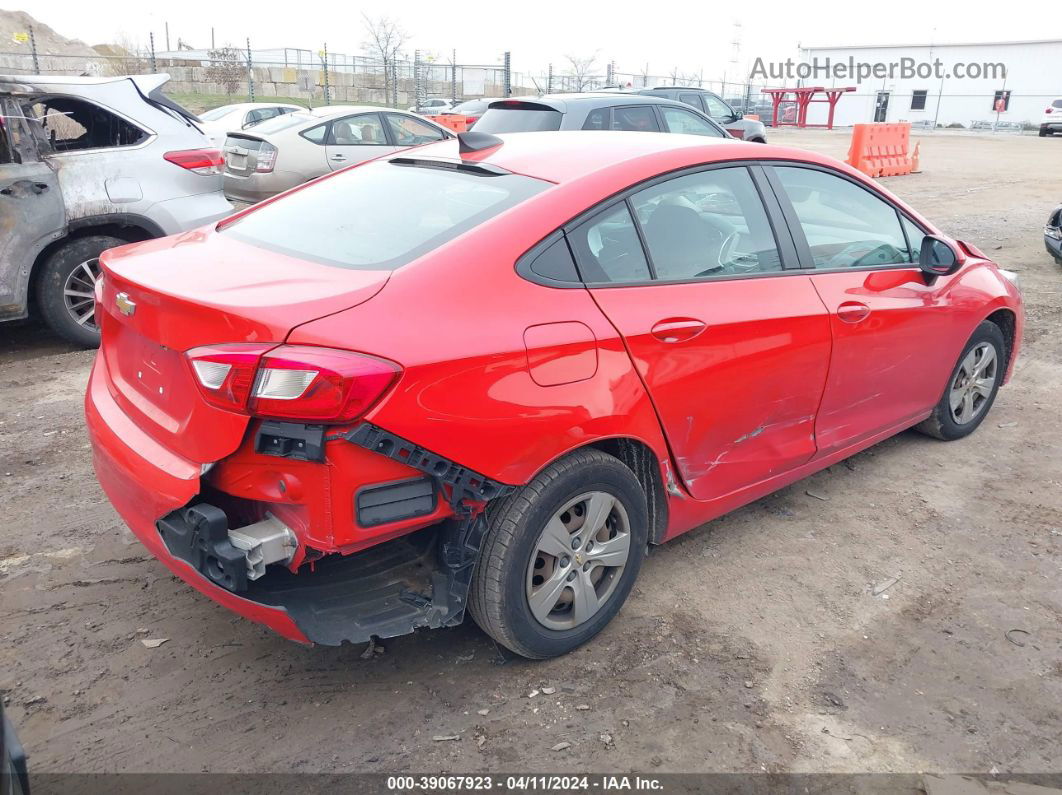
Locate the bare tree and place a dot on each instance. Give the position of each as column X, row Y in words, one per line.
column 679, row 78
column 384, row 39
column 581, row 71
column 645, row 76
column 227, row 68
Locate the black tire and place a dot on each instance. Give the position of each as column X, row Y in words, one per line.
column 499, row 600
column 52, row 282
column 941, row 424
column 1043, row 133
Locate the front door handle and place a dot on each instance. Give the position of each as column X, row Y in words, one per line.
column 852, row 312
column 339, row 157
column 678, row 329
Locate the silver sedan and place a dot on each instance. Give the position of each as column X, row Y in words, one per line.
column 291, row 149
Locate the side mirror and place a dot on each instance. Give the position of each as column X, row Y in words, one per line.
column 937, row 257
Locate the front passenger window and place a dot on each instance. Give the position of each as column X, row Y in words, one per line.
column 846, row 225
column 678, row 120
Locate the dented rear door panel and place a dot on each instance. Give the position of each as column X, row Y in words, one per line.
column 737, row 400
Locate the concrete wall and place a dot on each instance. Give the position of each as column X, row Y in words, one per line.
column 1034, row 78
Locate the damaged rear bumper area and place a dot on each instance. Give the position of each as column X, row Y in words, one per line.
column 419, row 580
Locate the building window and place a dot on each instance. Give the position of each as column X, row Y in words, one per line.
column 918, row 100
column 1001, row 97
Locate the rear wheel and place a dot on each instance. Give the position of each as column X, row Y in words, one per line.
column 972, row 387
column 561, row 555
column 66, row 288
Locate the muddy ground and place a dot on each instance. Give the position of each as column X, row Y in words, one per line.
column 754, row 643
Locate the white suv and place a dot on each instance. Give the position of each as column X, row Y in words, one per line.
column 1051, row 121
column 87, row 164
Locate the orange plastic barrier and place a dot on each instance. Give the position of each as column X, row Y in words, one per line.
column 751, row 116
column 882, row 150
column 455, row 123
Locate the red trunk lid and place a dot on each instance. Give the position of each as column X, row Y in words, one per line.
column 164, row 297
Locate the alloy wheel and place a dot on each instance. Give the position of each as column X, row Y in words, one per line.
column 79, row 293
column 972, row 385
column 578, row 560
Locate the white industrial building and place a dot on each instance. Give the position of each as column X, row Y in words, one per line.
column 937, row 95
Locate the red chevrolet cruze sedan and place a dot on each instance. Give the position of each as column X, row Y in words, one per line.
column 490, row 372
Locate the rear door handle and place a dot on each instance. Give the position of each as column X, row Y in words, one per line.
column 852, row 312
column 678, row 329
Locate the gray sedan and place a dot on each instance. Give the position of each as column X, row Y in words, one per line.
column 294, row 148
column 596, row 111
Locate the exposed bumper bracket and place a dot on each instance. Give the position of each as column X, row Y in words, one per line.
column 464, row 484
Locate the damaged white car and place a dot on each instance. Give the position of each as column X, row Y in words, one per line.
column 87, row 164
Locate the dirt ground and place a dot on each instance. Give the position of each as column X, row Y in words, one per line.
column 757, row 642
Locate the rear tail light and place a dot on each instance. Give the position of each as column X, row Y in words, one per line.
column 1048, row 110
column 267, row 158
column 291, row 382
column 200, row 161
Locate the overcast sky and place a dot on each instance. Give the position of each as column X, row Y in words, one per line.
column 690, row 36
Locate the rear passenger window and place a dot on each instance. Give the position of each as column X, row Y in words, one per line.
column 639, row 118
column 597, row 119
column 72, row 124
column 707, row 225
column 607, row 248
column 691, row 99
column 315, row 134
column 846, row 226
column 556, row 263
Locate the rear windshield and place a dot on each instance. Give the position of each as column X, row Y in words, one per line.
column 510, row 120
column 382, row 215
column 1057, row 103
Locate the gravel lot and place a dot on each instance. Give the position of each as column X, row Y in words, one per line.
column 754, row 643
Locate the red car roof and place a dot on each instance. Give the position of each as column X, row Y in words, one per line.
column 570, row 155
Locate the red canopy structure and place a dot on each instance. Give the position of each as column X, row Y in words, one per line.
column 803, row 97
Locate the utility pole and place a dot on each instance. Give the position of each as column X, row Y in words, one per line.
column 549, row 80
column 154, row 63
column 453, row 76
column 508, row 74
column 212, row 45
column 250, row 73
column 167, row 36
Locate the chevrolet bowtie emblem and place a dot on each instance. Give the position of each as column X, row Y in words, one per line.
column 125, row 304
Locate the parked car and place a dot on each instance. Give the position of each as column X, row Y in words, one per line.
column 1051, row 121
column 292, row 149
column 713, row 105
column 218, row 122
column 470, row 108
column 433, row 106
column 1053, row 235
column 87, row 164
column 595, row 111
column 491, row 371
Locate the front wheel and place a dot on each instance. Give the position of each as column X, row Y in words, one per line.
column 972, row 387
column 561, row 555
